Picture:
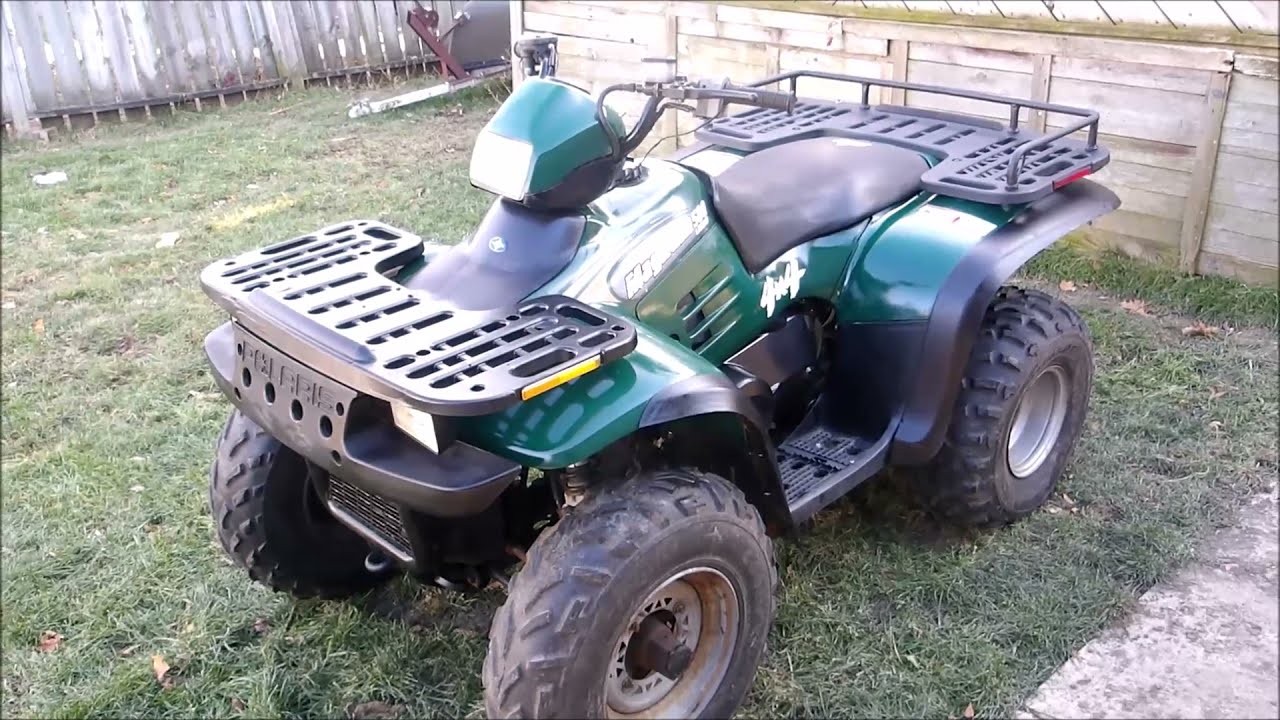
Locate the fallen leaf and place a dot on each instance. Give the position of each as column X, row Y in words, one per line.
column 1053, row 509
column 261, row 626
column 49, row 641
column 968, row 710
column 169, row 239
column 1067, row 286
column 912, row 659
column 1215, row 426
column 1215, row 393
column 37, row 327
column 136, row 489
column 204, row 395
column 161, row 669
column 1137, row 307
column 128, row 651
column 237, row 704
column 1199, row 329
column 375, row 711
column 138, row 458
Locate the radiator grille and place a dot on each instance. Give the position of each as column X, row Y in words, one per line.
column 377, row 514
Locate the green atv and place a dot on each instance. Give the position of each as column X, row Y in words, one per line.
column 634, row 375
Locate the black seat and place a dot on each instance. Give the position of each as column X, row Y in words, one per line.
column 780, row 197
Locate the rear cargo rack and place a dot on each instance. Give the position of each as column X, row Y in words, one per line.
column 979, row 159
column 323, row 300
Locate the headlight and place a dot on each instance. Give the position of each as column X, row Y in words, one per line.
column 416, row 424
column 501, row 165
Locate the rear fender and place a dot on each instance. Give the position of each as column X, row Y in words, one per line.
column 915, row 301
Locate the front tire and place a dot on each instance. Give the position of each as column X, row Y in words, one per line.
column 678, row 547
column 1019, row 413
column 272, row 523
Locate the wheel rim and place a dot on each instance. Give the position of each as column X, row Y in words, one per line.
column 701, row 608
column 1037, row 421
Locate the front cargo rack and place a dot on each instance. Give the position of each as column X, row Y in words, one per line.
column 979, row 159
column 324, row 300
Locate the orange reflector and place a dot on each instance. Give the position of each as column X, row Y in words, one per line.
column 560, row 378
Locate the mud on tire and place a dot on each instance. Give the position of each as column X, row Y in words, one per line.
column 1027, row 337
column 554, row 642
column 271, row 522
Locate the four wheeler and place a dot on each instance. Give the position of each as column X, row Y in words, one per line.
column 634, row 375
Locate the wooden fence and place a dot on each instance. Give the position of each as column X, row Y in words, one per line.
column 1192, row 128
column 64, row 58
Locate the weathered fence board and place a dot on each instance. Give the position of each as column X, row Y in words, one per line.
column 29, row 42
column 90, row 56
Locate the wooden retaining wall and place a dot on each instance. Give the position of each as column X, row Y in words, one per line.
column 76, row 57
column 1192, row 126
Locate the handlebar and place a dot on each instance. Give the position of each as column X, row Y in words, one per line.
column 711, row 97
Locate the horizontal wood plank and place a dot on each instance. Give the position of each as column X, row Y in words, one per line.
column 972, row 57
column 1147, row 202
column 998, row 82
column 602, row 50
column 1243, row 142
column 1253, row 223
column 1252, row 117
column 1258, row 66
column 1245, row 195
column 1256, row 90
column 859, row 65
column 1154, row 179
column 1153, row 251
column 1116, row 72
column 1212, row 263
column 641, row 29
column 1149, row 53
column 1149, row 227
column 1160, row 115
column 774, row 18
column 1243, row 247
column 1244, row 168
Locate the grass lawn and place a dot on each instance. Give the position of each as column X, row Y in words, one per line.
column 109, row 419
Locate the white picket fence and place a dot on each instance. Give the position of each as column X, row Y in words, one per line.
column 65, row 58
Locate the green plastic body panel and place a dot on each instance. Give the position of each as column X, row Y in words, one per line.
column 906, row 254
column 559, row 122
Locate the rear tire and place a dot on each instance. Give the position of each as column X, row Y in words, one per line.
column 1020, row 411
column 272, row 523
column 681, row 546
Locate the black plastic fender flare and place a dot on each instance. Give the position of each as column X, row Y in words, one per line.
column 755, row 471
column 929, row 394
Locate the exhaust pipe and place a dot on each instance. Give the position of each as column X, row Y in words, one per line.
column 377, row 563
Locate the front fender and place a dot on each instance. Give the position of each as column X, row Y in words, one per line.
column 571, row 423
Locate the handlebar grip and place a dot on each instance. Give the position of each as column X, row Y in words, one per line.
column 774, row 100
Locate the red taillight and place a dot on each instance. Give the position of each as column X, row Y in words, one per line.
column 1070, row 178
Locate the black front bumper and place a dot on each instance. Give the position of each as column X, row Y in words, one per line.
column 349, row 434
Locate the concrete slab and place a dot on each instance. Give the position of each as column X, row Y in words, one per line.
column 1203, row 645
